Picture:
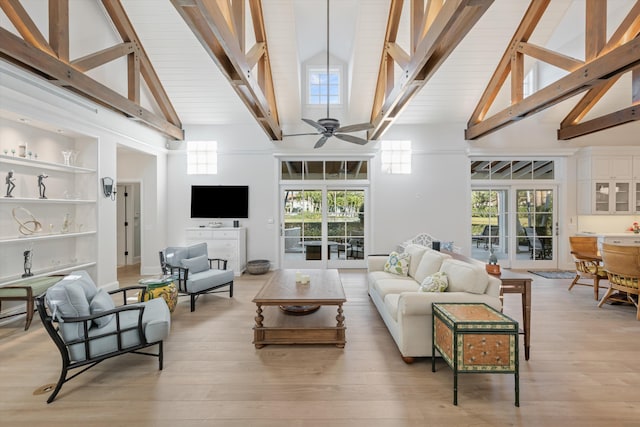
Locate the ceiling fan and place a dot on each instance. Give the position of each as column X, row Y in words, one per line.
column 328, row 127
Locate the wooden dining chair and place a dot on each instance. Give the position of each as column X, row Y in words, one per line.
column 584, row 250
column 623, row 269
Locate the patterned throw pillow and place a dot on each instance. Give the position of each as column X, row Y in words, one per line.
column 437, row 282
column 398, row 263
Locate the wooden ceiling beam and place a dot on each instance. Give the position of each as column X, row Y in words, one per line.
column 454, row 20
column 59, row 28
column 628, row 29
column 128, row 34
column 25, row 25
column 212, row 22
column 50, row 67
column 104, row 56
column 529, row 22
column 607, row 121
column 550, row 57
column 615, row 62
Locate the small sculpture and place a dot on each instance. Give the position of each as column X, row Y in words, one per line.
column 26, row 226
column 41, row 185
column 10, row 185
column 66, row 224
column 27, row 263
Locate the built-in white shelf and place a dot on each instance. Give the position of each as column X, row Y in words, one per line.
column 59, row 269
column 42, row 164
column 47, row 201
column 41, row 236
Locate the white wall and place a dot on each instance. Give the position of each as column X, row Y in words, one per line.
column 43, row 104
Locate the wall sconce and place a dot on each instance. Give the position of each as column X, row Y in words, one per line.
column 108, row 188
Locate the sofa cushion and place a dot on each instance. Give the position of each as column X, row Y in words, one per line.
column 437, row 282
column 196, row 264
column 398, row 263
column 395, row 286
column 465, row 277
column 100, row 303
column 391, row 304
column 429, row 263
column 415, row 255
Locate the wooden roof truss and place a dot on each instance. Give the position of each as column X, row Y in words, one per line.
column 219, row 26
column 436, row 29
column 605, row 62
column 50, row 59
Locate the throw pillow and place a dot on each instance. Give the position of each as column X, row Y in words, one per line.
column 398, row 263
column 437, row 282
column 197, row 264
column 100, row 303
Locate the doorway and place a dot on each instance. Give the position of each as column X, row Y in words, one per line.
column 128, row 223
column 323, row 226
column 517, row 223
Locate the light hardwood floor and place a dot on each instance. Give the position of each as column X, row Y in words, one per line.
column 584, row 371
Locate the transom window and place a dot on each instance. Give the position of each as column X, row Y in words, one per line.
column 318, row 87
column 512, row 169
column 202, row 157
column 396, row 157
column 327, row 170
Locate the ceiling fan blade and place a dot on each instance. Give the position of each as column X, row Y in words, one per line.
column 321, row 142
column 300, row 134
column 355, row 128
column 351, row 138
column 318, row 126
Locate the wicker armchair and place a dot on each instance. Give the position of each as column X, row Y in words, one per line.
column 588, row 262
column 623, row 268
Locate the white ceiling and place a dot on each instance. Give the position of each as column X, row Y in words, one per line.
column 296, row 31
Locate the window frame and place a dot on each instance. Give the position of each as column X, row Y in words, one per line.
column 203, row 156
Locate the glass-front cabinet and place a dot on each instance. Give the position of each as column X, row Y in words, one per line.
column 612, row 197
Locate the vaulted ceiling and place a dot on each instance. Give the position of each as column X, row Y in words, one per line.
column 181, row 83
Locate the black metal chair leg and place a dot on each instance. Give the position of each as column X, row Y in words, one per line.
column 61, row 381
column 160, row 355
column 193, row 302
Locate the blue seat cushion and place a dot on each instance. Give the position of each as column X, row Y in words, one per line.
column 204, row 280
column 156, row 322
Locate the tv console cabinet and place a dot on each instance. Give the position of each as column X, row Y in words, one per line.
column 228, row 243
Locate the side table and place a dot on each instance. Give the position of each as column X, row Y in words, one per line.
column 161, row 287
column 514, row 283
column 475, row 338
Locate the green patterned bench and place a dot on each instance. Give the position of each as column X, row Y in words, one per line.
column 27, row 291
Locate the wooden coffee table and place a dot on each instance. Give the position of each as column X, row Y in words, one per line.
column 317, row 327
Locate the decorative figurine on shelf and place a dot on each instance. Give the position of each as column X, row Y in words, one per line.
column 41, row 185
column 27, row 263
column 66, row 224
column 10, row 185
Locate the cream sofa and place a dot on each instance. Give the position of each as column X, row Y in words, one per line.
column 407, row 312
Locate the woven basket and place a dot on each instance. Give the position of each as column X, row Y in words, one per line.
column 258, row 266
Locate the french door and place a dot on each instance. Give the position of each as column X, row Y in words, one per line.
column 518, row 224
column 323, row 226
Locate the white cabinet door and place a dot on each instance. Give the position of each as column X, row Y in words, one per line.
column 612, row 167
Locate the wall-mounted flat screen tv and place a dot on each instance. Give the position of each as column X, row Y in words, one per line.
column 219, row 201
